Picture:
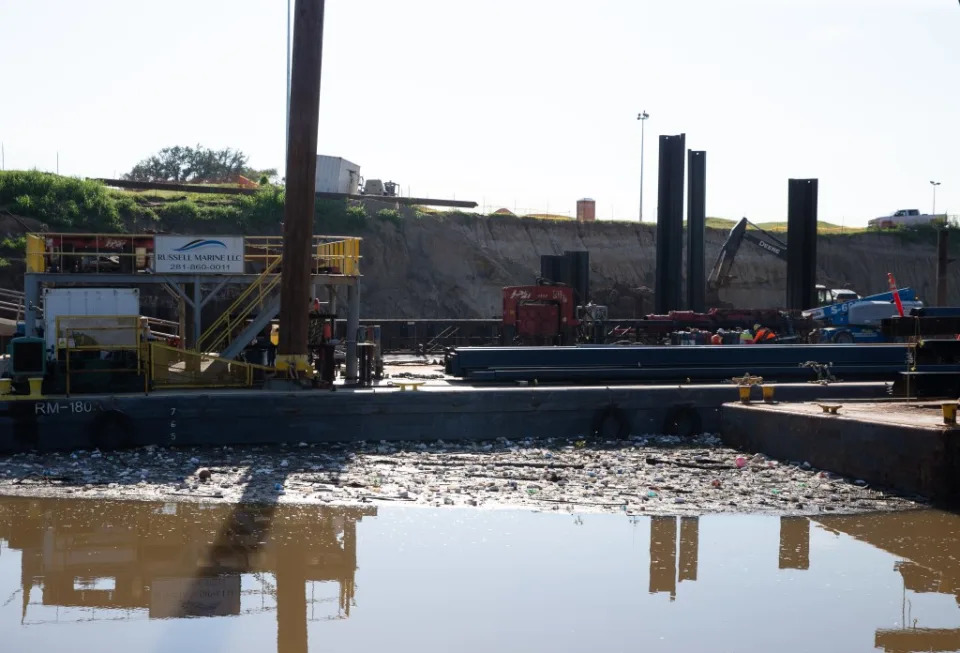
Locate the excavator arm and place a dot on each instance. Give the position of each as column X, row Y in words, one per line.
column 720, row 273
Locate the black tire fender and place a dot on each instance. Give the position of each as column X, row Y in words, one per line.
column 112, row 429
column 683, row 421
column 611, row 423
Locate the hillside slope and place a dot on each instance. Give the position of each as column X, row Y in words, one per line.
column 454, row 266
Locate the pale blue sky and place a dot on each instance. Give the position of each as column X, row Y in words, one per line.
column 526, row 103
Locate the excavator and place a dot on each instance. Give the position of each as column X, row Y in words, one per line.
column 720, row 276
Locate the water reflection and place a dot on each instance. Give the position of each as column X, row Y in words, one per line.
column 182, row 560
column 98, row 560
column 926, row 541
column 665, row 571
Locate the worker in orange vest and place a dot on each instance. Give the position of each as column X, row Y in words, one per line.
column 716, row 339
column 762, row 334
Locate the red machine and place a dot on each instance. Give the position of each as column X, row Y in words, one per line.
column 128, row 253
column 539, row 315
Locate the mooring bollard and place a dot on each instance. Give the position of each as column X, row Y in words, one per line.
column 745, row 393
column 949, row 409
column 767, row 393
column 35, row 386
column 6, row 386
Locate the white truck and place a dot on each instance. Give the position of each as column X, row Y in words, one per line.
column 908, row 217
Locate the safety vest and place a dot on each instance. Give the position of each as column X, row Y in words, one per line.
column 764, row 335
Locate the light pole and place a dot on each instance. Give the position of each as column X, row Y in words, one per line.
column 642, row 117
column 934, row 184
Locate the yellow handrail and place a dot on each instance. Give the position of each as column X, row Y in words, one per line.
column 218, row 332
column 45, row 252
column 176, row 368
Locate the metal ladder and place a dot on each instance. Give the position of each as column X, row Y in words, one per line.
column 258, row 295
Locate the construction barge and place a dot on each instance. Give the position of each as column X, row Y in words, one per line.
column 90, row 373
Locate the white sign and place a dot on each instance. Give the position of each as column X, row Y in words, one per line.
column 198, row 254
column 173, row 598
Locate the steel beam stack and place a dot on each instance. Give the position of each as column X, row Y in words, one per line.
column 701, row 363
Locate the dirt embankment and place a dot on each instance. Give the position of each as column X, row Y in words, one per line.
column 454, row 266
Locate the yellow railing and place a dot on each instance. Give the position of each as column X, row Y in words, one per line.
column 254, row 296
column 331, row 254
column 176, row 368
column 105, row 253
column 118, row 336
column 342, row 255
column 36, row 248
column 81, row 252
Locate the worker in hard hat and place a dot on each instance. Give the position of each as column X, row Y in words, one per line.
column 763, row 335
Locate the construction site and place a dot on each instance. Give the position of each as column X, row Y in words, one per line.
column 228, row 421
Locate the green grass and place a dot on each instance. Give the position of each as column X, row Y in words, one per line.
column 61, row 202
column 822, row 227
column 70, row 204
column 79, row 205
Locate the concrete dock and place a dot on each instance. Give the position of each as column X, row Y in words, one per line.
column 902, row 445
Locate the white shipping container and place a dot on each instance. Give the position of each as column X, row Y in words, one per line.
column 336, row 175
column 85, row 301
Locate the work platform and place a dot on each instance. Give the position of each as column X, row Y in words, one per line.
column 195, row 270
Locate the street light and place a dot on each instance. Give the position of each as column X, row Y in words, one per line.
column 642, row 117
column 934, row 184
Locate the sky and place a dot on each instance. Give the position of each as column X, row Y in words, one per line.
column 523, row 104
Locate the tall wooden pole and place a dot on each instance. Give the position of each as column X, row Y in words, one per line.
column 298, row 210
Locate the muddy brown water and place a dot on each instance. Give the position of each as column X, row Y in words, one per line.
column 104, row 576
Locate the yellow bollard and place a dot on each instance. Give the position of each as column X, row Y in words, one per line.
column 35, row 386
column 949, row 409
column 745, row 393
column 767, row 393
column 6, row 386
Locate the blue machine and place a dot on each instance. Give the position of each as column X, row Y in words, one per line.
column 859, row 320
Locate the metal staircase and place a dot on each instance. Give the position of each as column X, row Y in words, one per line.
column 259, row 303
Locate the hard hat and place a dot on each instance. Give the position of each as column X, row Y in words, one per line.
column 756, row 326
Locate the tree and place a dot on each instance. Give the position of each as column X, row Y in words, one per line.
column 193, row 164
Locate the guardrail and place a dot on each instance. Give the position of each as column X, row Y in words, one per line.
column 178, row 368
column 331, row 254
column 134, row 253
column 12, row 308
column 118, row 337
column 11, row 304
